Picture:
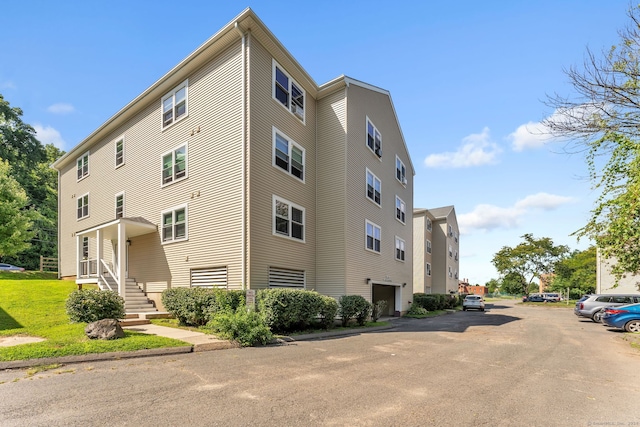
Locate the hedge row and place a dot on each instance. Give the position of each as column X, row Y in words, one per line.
column 434, row 302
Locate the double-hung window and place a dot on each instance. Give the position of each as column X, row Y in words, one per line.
column 83, row 206
column 83, row 166
column 374, row 140
column 120, row 205
column 428, row 269
column 174, row 224
column 288, row 92
column 288, row 155
column 288, row 219
column 119, row 145
column 450, row 251
column 401, row 171
column 429, row 225
column 373, row 236
column 401, row 208
column 174, row 104
column 400, row 247
column 174, row 165
column 428, row 246
column 374, row 187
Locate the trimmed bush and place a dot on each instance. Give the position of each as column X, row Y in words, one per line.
column 228, row 301
column 429, row 302
column 245, row 327
column 286, row 310
column 191, row 306
column 377, row 310
column 90, row 305
column 328, row 311
column 416, row 311
column 354, row 306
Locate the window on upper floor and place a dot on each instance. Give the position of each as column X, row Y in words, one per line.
column 401, row 171
column 287, row 91
column 428, row 246
column 456, row 257
column 288, row 155
column 174, row 165
column 174, row 224
column 429, row 225
column 83, row 166
column 374, row 187
column 288, row 219
column 85, row 247
column 450, row 251
column 175, row 104
column 374, row 139
column 120, row 205
column 449, row 230
column 400, row 246
column 119, row 146
column 455, row 237
column 400, row 210
column 427, row 269
column 450, row 272
column 83, row 206
column 373, row 236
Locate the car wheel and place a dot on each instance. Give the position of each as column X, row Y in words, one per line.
column 633, row 326
column 597, row 316
column 464, row 308
column 482, row 309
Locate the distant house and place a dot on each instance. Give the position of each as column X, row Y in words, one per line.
column 236, row 170
column 465, row 288
column 606, row 282
column 436, row 240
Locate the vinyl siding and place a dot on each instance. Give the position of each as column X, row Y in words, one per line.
column 332, row 206
column 266, row 180
column 419, row 252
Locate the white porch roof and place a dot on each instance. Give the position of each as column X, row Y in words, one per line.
column 134, row 226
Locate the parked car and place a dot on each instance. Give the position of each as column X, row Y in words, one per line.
column 473, row 302
column 535, row 298
column 592, row 306
column 9, row 267
column 551, row 297
column 625, row 317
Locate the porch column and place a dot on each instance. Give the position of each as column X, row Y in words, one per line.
column 99, row 251
column 121, row 259
column 78, row 255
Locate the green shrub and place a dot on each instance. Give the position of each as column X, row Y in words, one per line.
column 228, row 301
column 377, row 309
column 246, row 327
column 90, row 305
column 328, row 311
column 354, row 306
column 429, row 302
column 191, row 306
column 286, row 310
column 416, row 311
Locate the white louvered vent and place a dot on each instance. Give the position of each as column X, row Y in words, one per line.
column 212, row 277
column 285, row 278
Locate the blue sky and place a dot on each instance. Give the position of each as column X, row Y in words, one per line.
column 467, row 79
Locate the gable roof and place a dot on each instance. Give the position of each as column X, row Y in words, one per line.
column 443, row 212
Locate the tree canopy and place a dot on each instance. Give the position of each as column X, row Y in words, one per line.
column 520, row 265
column 602, row 119
column 577, row 273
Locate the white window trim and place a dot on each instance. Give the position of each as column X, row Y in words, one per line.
column 450, row 252
column 403, row 244
column 87, row 154
column 366, row 190
column 429, row 224
column 428, row 246
column 427, row 269
column 186, row 224
column 172, row 93
column 115, row 152
column 173, row 164
column 88, row 207
column 275, row 64
column 291, row 144
column 367, row 222
column 404, row 180
column 398, row 199
column 366, row 141
column 116, row 204
column 273, row 219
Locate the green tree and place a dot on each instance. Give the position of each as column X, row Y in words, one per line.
column 493, row 285
column 16, row 218
column 527, row 261
column 602, row 119
column 577, row 272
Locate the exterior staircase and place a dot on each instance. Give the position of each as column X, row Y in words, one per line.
column 138, row 308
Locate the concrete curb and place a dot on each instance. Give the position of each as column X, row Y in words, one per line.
column 329, row 334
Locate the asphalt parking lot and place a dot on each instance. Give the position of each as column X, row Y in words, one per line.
column 511, row 365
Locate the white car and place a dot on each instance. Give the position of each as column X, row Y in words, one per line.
column 473, row 302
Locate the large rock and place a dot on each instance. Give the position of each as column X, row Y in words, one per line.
column 105, row 329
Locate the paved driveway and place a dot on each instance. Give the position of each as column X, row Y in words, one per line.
column 509, row 366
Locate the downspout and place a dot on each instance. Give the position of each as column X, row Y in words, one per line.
column 243, row 249
column 60, row 234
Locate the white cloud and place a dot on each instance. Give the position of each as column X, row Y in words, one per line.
column 489, row 217
column 61, row 108
column 477, row 149
column 530, row 135
column 49, row 135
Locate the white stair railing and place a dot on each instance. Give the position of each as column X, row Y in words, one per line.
column 109, row 275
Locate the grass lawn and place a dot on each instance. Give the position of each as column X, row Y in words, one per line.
column 33, row 304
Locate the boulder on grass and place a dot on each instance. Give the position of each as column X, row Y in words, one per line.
column 105, row 329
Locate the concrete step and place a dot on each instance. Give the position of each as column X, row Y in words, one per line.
column 134, row 322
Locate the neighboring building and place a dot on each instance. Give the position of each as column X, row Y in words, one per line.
column 465, row 288
column 436, row 250
column 236, row 170
column 606, row 282
column 545, row 281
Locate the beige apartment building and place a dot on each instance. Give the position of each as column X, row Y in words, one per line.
column 436, row 250
column 236, row 170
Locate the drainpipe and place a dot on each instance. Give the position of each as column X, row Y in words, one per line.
column 243, row 171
